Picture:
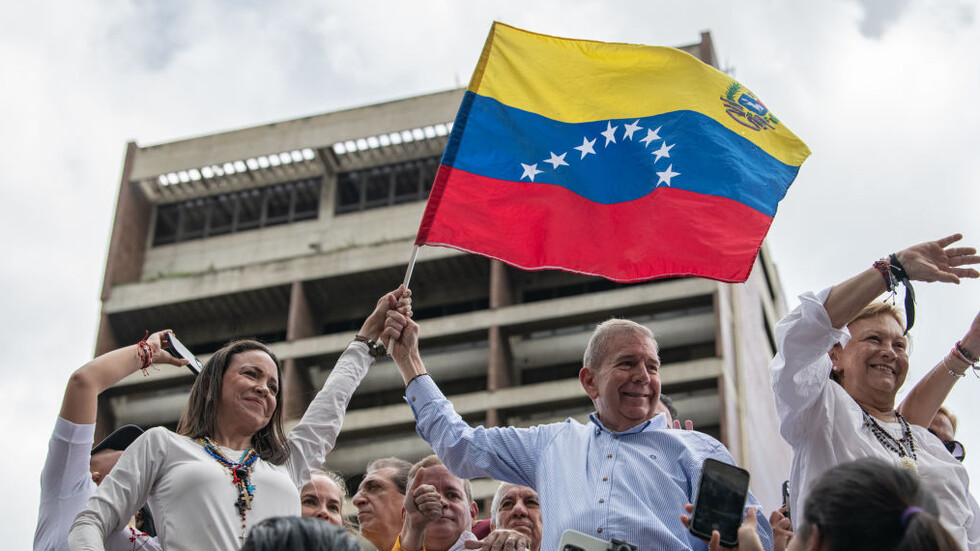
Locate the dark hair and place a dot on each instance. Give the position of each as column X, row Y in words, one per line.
column 201, row 413
column 861, row 505
column 298, row 534
column 401, row 471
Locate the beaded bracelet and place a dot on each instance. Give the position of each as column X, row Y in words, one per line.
column 884, row 267
column 894, row 273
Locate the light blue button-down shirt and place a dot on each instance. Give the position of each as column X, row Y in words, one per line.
column 629, row 485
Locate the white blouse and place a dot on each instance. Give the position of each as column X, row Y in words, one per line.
column 826, row 427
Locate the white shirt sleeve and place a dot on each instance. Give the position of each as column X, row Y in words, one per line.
column 66, row 483
column 801, row 369
column 316, row 433
column 121, row 493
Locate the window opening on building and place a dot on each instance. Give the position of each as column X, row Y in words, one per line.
column 237, row 211
column 386, row 185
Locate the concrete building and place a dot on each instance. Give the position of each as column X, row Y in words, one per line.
column 290, row 231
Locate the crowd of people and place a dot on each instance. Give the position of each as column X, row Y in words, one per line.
column 866, row 473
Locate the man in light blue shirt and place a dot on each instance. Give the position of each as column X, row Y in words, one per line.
column 625, row 475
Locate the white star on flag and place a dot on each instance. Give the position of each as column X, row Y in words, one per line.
column 586, row 147
column 630, row 128
column 530, row 171
column 556, row 160
column 610, row 133
column 664, row 151
column 651, row 135
column 666, row 175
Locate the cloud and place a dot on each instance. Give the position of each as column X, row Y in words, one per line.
column 878, row 15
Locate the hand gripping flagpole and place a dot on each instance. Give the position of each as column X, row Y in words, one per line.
column 411, row 265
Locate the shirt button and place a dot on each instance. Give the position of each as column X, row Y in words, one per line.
column 615, row 437
column 609, row 456
column 605, row 478
column 599, row 530
column 413, row 398
column 602, row 501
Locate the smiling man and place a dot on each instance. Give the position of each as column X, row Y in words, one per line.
column 623, row 475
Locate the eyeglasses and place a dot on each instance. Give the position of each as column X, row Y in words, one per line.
column 953, row 446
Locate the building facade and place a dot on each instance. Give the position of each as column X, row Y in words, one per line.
column 289, row 232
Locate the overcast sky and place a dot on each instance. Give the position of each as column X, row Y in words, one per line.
column 883, row 91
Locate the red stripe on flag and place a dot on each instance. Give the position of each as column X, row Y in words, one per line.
column 669, row 233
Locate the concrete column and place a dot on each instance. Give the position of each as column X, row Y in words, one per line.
column 127, row 244
column 499, row 357
column 297, row 389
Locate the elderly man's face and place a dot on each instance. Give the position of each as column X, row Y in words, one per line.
column 519, row 510
column 379, row 505
column 625, row 388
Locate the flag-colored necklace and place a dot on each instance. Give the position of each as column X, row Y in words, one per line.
column 904, row 446
column 241, row 475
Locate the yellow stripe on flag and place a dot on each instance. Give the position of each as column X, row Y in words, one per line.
column 571, row 80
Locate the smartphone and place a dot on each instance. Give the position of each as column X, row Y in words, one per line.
column 720, row 501
column 786, row 498
column 573, row 540
column 178, row 350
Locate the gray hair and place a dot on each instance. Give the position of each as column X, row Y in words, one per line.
column 597, row 349
column 495, row 505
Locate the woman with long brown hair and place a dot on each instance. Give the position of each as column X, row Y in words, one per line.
column 229, row 465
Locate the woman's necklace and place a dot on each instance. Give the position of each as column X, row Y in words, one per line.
column 904, row 447
column 241, row 474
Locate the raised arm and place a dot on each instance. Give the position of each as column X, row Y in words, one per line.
column 925, row 398
column 402, row 336
column 316, row 434
column 423, row 505
column 929, row 261
column 90, row 380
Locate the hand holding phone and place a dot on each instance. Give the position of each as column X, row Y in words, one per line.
column 786, row 499
column 720, row 501
column 177, row 349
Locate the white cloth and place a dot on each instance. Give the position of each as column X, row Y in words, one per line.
column 191, row 494
column 66, row 484
column 460, row 544
column 825, row 426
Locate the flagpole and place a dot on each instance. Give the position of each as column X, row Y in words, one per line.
column 411, row 266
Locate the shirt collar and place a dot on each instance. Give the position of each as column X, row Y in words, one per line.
column 658, row 422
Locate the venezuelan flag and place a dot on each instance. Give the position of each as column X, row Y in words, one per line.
column 624, row 161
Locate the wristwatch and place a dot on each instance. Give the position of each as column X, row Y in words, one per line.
column 375, row 348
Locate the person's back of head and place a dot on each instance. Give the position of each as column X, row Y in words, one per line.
column 298, row 534
column 870, row 504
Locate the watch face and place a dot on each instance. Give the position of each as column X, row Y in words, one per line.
column 377, row 349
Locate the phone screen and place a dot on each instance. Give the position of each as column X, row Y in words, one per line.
column 177, row 348
column 720, row 501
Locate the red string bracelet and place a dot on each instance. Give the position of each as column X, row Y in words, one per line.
column 145, row 353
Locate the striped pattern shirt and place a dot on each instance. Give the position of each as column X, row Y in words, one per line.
column 629, row 485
